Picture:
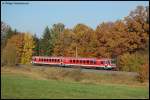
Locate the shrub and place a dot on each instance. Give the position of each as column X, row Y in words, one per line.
column 143, row 73
column 76, row 74
column 131, row 62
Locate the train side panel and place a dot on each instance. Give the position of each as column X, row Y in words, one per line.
column 83, row 62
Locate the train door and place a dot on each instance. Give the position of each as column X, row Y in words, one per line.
column 62, row 62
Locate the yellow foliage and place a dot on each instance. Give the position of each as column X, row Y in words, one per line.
column 27, row 49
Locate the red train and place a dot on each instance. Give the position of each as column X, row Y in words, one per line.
column 72, row 61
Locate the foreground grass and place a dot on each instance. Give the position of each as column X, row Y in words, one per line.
column 73, row 75
column 16, row 86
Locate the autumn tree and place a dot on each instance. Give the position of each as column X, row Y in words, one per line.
column 118, row 40
column 9, row 54
column 64, row 46
column 85, row 39
column 27, row 48
column 49, row 38
column 6, row 33
column 4, row 29
column 13, row 50
column 105, row 39
column 56, row 30
column 138, row 29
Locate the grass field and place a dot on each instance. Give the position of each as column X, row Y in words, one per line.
column 16, row 85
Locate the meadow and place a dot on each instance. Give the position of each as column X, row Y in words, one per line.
column 53, row 83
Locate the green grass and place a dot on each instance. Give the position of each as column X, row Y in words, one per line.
column 17, row 86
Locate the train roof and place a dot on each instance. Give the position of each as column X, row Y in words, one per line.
column 73, row 58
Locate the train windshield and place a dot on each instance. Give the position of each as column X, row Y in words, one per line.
column 107, row 62
column 113, row 61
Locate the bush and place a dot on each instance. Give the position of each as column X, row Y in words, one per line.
column 143, row 73
column 131, row 62
column 76, row 74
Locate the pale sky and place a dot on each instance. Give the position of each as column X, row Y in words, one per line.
column 34, row 16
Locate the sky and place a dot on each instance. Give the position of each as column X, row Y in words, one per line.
column 34, row 16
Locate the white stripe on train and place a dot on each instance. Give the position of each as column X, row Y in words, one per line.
column 72, row 64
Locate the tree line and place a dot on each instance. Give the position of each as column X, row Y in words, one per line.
column 125, row 40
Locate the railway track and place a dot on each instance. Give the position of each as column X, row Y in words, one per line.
column 85, row 70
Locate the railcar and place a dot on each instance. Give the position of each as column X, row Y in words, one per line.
column 75, row 61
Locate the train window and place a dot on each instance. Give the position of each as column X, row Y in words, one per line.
column 108, row 62
column 102, row 62
column 91, row 62
column 87, row 61
column 94, row 62
column 84, row 61
column 70, row 61
column 77, row 61
column 73, row 61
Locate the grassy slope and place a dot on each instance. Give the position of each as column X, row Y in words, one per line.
column 18, row 86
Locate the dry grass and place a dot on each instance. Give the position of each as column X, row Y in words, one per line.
column 77, row 75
